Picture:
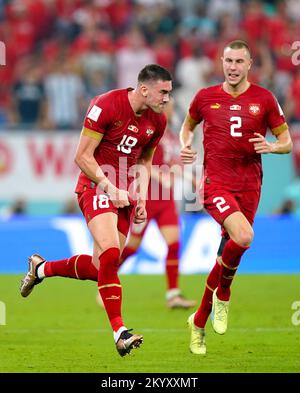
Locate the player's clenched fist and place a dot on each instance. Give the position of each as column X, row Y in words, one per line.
column 119, row 198
column 140, row 214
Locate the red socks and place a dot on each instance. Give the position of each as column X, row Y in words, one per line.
column 110, row 287
column 172, row 265
column 172, row 268
column 78, row 266
column 204, row 310
column 231, row 257
column 82, row 268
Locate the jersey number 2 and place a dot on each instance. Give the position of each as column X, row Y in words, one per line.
column 221, row 204
column 236, row 123
column 127, row 144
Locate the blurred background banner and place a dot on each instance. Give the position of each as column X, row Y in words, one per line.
column 37, row 166
column 275, row 248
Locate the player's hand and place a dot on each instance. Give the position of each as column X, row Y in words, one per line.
column 188, row 156
column 119, row 198
column 261, row 145
column 140, row 214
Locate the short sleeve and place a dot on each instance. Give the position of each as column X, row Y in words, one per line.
column 97, row 118
column 195, row 107
column 275, row 116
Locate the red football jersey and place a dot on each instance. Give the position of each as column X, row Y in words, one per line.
column 229, row 122
column 166, row 155
column 124, row 135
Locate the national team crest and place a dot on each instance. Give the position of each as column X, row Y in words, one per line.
column 254, row 109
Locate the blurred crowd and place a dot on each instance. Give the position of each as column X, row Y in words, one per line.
column 61, row 53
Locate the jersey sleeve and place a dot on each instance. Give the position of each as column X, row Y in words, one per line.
column 196, row 105
column 160, row 129
column 97, row 118
column 275, row 117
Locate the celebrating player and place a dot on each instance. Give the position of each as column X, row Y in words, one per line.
column 121, row 129
column 236, row 116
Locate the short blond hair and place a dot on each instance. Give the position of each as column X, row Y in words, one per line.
column 238, row 44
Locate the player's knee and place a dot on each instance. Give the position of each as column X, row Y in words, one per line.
column 245, row 237
column 173, row 250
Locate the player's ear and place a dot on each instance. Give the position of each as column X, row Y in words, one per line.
column 144, row 91
column 250, row 64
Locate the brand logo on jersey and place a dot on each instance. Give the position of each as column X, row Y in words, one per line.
column 94, row 113
column 149, row 131
column 254, row 109
column 133, row 128
column 215, row 106
column 235, row 107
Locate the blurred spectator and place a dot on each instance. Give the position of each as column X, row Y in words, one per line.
column 216, row 8
column 199, row 22
column 132, row 57
column 293, row 9
column 96, row 83
column 292, row 192
column 253, row 22
column 95, row 58
column 28, row 99
column 65, row 94
column 192, row 73
column 287, row 207
column 110, row 40
column 292, row 100
column 18, row 207
column 164, row 52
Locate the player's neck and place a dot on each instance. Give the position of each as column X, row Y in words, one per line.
column 135, row 103
column 236, row 90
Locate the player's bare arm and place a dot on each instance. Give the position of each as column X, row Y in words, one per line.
column 85, row 159
column 187, row 154
column 282, row 145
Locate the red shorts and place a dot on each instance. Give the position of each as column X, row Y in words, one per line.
column 164, row 212
column 220, row 203
column 92, row 204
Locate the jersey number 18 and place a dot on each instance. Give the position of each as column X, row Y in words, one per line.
column 127, row 144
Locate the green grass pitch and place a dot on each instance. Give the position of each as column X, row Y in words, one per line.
column 60, row 328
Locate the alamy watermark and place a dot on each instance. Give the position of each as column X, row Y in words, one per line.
column 2, row 54
column 2, row 313
column 295, row 319
column 134, row 178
